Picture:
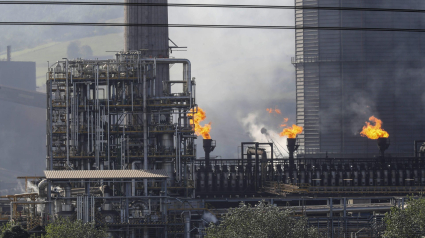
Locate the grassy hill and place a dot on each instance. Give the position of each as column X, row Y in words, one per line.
column 55, row 51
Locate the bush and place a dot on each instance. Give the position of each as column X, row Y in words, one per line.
column 408, row 221
column 9, row 231
column 65, row 228
column 262, row 221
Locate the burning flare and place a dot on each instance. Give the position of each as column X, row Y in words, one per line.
column 291, row 132
column 285, row 120
column 271, row 110
column 374, row 131
column 196, row 119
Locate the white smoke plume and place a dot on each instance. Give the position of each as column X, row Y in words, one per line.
column 31, row 187
column 208, row 217
column 252, row 124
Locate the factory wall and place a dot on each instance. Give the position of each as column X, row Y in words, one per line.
column 346, row 76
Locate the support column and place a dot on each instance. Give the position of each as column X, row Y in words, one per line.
column 187, row 225
column 145, row 232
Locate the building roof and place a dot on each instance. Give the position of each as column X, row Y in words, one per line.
column 105, row 174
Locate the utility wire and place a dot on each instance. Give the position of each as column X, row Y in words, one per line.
column 211, row 6
column 213, row 26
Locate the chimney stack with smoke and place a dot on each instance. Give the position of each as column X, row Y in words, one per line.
column 9, row 52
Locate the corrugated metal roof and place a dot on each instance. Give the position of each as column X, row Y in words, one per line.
column 104, row 174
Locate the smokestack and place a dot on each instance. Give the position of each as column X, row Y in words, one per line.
column 152, row 42
column 9, row 52
column 292, row 147
column 383, row 144
column 209, row 146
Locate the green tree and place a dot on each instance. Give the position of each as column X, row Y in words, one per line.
column 262, row 221
column 11, row 231
column 407, row 222
column 65, row 228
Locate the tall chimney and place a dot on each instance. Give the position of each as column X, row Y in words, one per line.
column 292, row 147
column 151, row 41
column 9, row 52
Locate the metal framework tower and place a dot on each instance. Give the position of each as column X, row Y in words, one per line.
column 107, row 115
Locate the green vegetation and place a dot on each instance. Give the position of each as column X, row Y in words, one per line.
column 262, row 221
column 407, row 222
column 65, row 228
column 13, row 231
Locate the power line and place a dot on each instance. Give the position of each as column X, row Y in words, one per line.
column 212, row 6
column 212, row 26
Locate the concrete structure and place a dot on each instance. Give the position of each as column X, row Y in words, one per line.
column 344, row 77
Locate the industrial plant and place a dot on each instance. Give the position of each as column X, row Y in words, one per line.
column 121, row 138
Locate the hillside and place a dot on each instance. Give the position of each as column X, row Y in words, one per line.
column 57, row 50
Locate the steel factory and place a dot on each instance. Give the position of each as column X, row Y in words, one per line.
column 121, row 139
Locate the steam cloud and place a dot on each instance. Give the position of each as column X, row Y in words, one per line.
column 256, row 130
column 209, row 217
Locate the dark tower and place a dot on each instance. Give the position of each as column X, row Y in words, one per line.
column 151, row 41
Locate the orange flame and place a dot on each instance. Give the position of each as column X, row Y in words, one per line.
column 285, row 120
column 291, row 132
column 271, row 110
column 197, row 117
column 374, row 131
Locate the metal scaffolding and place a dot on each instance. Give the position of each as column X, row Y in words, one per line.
column 110, row 115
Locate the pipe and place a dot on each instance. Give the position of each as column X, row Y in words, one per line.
column 50, row 104
column 97, row 118
column 145, row 131
column 416, row 142
column 67, row 114
column 187, row 224
column 133, row 181
column 68, row 194
column 172, row 61
column 109, row 117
